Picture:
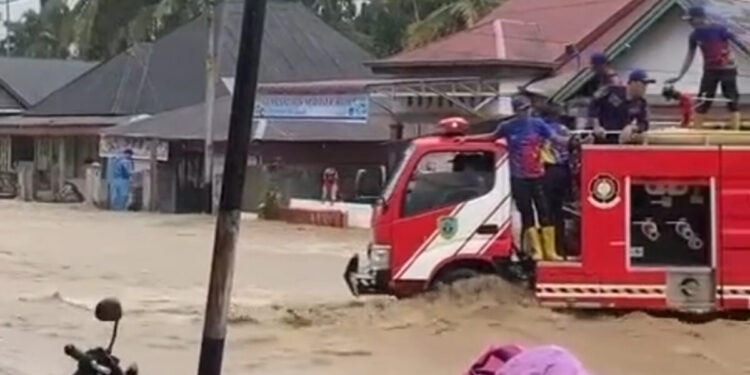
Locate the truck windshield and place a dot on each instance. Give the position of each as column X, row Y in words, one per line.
column 405, row 156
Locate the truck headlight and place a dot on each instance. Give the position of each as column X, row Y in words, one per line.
column 380, row 256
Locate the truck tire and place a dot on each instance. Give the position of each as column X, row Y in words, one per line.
column 449, row 277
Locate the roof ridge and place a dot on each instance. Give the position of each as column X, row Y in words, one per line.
column 605, row 25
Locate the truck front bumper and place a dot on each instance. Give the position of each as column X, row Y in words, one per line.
column 368, row 277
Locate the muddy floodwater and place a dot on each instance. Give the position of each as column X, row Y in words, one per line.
column 291, row 311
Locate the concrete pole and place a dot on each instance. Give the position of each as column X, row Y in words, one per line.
column 233, row 181
column 61, row 164
column 208, row 150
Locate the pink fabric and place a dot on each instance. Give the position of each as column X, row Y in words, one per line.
column 544, row 360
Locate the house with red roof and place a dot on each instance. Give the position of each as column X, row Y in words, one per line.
column 543, row 47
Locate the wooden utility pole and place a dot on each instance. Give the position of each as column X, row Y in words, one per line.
column 235, row 165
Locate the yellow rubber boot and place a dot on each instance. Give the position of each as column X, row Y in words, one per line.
column 533, row 239
column 549, row 245
column 698, row 121
column 736, row 121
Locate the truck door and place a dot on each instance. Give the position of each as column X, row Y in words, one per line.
column 455, row 204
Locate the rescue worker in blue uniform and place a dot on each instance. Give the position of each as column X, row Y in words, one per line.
column 557, row 175
column 621, row 109
column 719, row 66
column 122, row 172
column 526, row 135
column 604, row 73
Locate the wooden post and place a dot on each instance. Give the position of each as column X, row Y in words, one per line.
column 154, row 176
column 233, row 181
column 62, row 161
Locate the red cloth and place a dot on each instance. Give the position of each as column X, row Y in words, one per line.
column 493, row 359
column 686, row 109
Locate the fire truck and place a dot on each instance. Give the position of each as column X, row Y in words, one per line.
column 663, row 225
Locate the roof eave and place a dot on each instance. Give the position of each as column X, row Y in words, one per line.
column 382, row 64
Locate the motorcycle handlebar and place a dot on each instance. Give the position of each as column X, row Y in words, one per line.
column 80, row 356
column 75, row 353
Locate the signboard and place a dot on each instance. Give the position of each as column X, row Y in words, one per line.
column 349, row 107
column 345, row 107
column 111, row 146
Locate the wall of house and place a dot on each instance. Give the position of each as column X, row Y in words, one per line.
column 301, row 166
column 661, row 51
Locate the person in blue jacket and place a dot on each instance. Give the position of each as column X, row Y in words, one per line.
column 121, row 174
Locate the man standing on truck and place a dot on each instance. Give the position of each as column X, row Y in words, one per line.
column 621, row 109
column 557, row 176
column 605, row 74
column 526, row 135
column 719, row 66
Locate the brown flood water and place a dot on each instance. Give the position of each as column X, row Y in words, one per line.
column 291, row 311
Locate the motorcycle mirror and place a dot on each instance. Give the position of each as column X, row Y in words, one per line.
column 108, row 310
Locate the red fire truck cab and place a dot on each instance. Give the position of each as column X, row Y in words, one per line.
column 662, row 226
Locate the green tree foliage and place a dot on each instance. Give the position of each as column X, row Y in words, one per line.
column 450, row 17
column 392, row 25
column 99, row 29
column 96, row 29
column 47, row 34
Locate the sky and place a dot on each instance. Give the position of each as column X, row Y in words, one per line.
column 17, row 8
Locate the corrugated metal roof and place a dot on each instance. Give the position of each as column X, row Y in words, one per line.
column 187, row 124
column 297, row 46
column 734, row 13
column 42, row 121
column 30, row 80
column 522, row 30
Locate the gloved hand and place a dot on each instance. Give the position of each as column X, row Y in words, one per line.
column 631, row 134
column 599, row 131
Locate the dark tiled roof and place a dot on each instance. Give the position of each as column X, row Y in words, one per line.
column 297, row 46
column 169, row 74
column 30, row 80
column 187, row 124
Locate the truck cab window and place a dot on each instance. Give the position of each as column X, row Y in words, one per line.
column 446, row 178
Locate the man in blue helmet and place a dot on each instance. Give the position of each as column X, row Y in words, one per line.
column 620, row 112
column 603, row 70
column 719, row 65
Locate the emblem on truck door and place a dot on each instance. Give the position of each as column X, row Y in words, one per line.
column 448, row 226
column 604, row 191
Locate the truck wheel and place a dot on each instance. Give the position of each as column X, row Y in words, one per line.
column 451, row 276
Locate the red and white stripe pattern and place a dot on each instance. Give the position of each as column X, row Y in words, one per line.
column 600, row 291
column 493, row 208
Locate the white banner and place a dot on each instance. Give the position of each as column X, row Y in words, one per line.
column 111, row 146
column 343, row 107
column 350, row 107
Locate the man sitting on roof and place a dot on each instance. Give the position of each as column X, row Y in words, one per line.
column 719, row 66
column 620, row 113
